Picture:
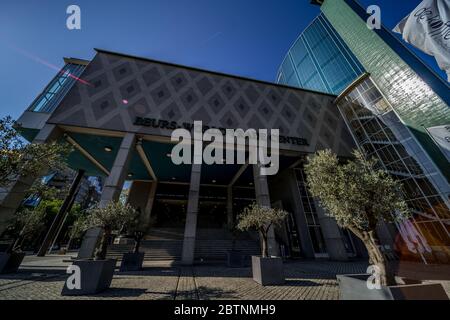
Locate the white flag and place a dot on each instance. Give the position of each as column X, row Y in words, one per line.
column 428, row 29
column 441, row 135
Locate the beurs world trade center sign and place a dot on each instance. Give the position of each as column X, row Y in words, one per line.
column 172, row 125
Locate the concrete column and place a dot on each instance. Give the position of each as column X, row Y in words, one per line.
column 230, row 220
column 263, row 199
column 142, row 195
column 12, row 196
column 332, row 235
column 114, row 182
column 190, row 228
column 149, row 205
column 111, row 191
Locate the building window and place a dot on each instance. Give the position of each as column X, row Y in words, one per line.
column 309, row 208
column 372, row 122
column 55, row 91
column 320, row 60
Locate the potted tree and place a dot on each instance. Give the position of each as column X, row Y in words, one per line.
column 27, row 224
column 266, row 270
column 132, row 261
column 77, row 230
column 96, row 274
column 360, row 196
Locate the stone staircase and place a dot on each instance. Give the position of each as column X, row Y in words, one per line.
column 166, row 244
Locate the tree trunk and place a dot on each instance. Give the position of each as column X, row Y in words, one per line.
column 17, row 245
column 68, row 244
column 138, row 235
column 137, row 244
column 100, row 253
column 265, row 247
column 377, row 258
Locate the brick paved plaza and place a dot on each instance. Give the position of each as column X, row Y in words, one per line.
column 42, row 278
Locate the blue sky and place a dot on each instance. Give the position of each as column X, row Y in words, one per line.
column 242, row 37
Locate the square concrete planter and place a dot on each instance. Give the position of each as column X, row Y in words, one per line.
column 354, row 287
column 268, row 271
column 235, row 259
column 10, row 262
column 95, row 276
column 132, row 261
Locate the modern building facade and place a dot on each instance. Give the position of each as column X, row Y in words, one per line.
column 119, row 112
column 388, row 102
column 320, row 60
column 341, row 87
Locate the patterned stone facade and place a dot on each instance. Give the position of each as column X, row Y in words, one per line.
column 122, row 88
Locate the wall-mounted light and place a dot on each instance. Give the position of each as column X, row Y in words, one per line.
column 130, row 175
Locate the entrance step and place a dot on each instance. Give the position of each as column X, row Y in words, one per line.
column 210, row 250
column 167, row 244
column 155, row 250
column 164, row 234
column 202, row 233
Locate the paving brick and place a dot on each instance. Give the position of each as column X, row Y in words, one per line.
column 43, row 278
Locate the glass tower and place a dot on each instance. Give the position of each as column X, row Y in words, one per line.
column 379, row 132
column 324, row 60
column 319, row 60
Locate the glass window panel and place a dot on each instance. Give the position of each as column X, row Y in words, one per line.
column 434, row 233
column 59, row 86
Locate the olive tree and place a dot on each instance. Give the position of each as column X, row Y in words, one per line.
column 260, row 218
column 20, row 158
column 110, row 217
column 27, row 224
column 136, row 229
column 77, row 229
column 358, row 195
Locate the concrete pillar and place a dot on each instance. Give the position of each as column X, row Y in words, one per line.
column 142, row 195
column 147, row 213
column 190, row 228
column 114, row 182
column 230, row 220
column 111, row 191
column 137, row 197
column 263, row 199
column 12, row 196
column 331, row 234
